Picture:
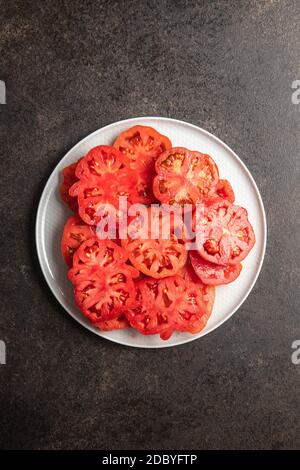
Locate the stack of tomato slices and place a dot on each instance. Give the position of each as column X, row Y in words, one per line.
column 149, row 279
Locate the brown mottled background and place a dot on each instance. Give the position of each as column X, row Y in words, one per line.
column 71, row 67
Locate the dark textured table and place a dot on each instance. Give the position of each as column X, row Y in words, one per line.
column 72, row 67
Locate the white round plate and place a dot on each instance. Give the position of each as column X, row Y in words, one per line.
column 52, row 214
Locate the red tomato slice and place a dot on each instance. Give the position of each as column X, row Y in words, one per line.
column 103, row 282
column 214, row 274
column 104, row 175
column 224, row 233
column 119, row 323
column 225, row 191
column 149, row 316
column 75, row 232
column 95, row 253
column 169, row 304
column 142, row 145
column 157, row 257
column 206, row 298
column 69, row 178
column 184, row 176
column 222, row 190
column 96, row 197
column 101, row 161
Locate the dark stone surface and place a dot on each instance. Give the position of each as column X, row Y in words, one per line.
column 71, row 67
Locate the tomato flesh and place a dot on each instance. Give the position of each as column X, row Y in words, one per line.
column 75, row 232
column 142, row 145
column 214, row 274
column 184, row 176
column 224, row 233
column 175, row 303
column 156, row 257
column 148, row 316
column 69, row 178
column 206, row 292
column 223, row 190
column 119, row 323
column 103, row 176
column 101, row 161
column 103, row 282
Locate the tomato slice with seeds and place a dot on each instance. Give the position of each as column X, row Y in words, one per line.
column 93, row 254
column 155, row 256
column 102, row 160
column 224, row 234
column 149, row 315
column 103, row 295
column 214, row 274
column 184, row 176
column 192, row 316
column 104, row 284
column 222, row 190
column 97, row 198
column 104, row 176
column 69, row 178
column 75, row 232
column 171, row 304
column 225, row 191
column 142, row 145
column 206, row 292
column 119, row 323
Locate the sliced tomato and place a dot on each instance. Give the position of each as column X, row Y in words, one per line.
column 104, row 176
column 103, row 295
column 101, row 161
column 184, row 176
column 225, row 191
column 170, row 304
column 98, row 197
column 95, row 253
column 69, row 178
column 142, row 145
column 224, row 233
column 75, row 232
column 155, row 256
column 214, row 274
column 222, row 190
column 149, row 315
column 206, row 297
column 119, row 323
column 103, row 282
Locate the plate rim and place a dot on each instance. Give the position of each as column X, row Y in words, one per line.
column 39, row 218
